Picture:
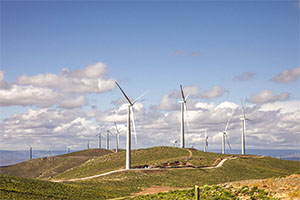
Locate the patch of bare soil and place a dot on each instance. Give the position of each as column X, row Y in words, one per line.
column 282, row 188
column 157, row 189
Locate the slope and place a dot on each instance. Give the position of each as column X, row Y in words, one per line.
column 48, row 167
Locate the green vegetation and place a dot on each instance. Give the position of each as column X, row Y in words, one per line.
column 152, row 156
column 31, row 189
column 127, row 182
column 211, row 193
column 48, row 167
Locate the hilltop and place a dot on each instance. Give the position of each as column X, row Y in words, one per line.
column 172, row 167
column 47, row 167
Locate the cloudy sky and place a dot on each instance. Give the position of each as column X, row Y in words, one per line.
column 60, row 61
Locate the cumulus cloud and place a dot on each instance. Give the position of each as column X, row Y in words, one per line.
column 287, row 75
column 65, row 90
column 267, row 96
column 91, row 79
column 215, row 92
column 3, row 83
column 51, row 128
column 38, row 96
column 246, row 76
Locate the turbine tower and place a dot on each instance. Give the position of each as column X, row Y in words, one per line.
column 205, row 140
column 107, row 139
column 183, row 114
column 129, row 113
column 117, row 137
column 225, row 136
column 88, row 144
column 99, row 138
column 243, row 119
column 30, row 152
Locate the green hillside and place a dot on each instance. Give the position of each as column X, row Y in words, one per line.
column 182, row 168
column 48, row 167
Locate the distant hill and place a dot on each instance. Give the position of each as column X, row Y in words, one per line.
column 47, row 167
column 173, row 167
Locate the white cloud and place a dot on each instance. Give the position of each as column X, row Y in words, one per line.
column 288, row 75
column 215, row 92
column 65, row 90
column 267, row 96
column 284, row 107
column 39, row 96
column 246, row 76
column 91, row 79
column 51, row 128
column 3, row 83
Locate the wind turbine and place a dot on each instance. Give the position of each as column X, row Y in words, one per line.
column 174, row 141
column 205, row 140
column 224, row 136
column 129, row 111
column 183, row 114
column 99, row 138
column 243, row 119
column 117, row 137
column 30, row 152
column 107, row 139
column 88, row 144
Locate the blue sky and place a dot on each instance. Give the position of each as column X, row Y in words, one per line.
column 154, row 45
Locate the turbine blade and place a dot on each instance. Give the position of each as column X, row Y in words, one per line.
column 139, row 97
column 228, row 121
column 228, row 141
column 186, row 116
column 187, row 96
column 133, row 123
column 124, row 93
column 182, row 94
column 117, row 128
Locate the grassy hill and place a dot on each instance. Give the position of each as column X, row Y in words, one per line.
column 47, row 167
column 179, row 168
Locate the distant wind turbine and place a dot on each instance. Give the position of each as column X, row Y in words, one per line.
column 225, row 136
column 117, row 137
column 183, row 115
column 129, row 112
column 99, row 138
column 174, row 142
column 88, row 144
column 205, row 140
column 30, row 152
column 243, row 119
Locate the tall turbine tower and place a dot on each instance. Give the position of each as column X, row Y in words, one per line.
column 107, row 139
column 205, row 140
column 225, row 136
column 99, row 138
column 88, row 144
column 117, row 137
column 183, row 114
column 30, row 152
column 243, row 119
column 129, row 113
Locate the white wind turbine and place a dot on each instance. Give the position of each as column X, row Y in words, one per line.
column 117, row 137
column 99, row 138
column 205, row 140
column 174, row 142
column 243, row 119
column 30, row 152
column 107, row 138
column 183, row 115
column 129, row 113
column 88, row 144
column 225, row 136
